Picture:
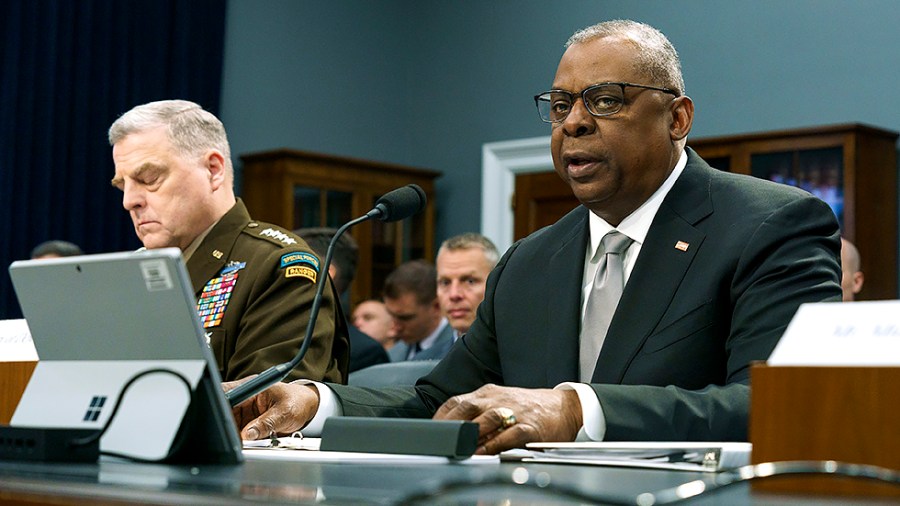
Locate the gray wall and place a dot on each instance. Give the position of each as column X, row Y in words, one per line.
column 426, row 83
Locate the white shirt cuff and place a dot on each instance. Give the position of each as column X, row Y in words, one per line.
column 594, row 428
column 328, row 406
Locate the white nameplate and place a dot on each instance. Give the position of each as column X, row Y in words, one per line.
column 841, row 334
column 15, row 342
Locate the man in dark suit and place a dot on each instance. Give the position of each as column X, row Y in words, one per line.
column 715, row 265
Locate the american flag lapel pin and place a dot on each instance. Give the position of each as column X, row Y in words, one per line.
column 681, row 246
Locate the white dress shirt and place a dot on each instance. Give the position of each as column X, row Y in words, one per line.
column 635, row 225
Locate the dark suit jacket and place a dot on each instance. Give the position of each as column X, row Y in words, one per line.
column 675, row 363
column 364, row 351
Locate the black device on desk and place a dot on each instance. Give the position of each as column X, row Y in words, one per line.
column 443, row 438
column 103, row 322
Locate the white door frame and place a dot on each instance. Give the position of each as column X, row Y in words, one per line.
column 500, row 163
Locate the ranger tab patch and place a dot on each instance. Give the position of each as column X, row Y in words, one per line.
column 300, row 264
column 301, row 271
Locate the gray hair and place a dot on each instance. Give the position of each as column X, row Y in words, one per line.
column 657, row 57
column 192, row 130
column 472, row 240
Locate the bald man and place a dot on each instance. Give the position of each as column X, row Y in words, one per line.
column 851, row 276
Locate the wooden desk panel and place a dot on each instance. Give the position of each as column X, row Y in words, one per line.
column 846, row 414
column 14, row 377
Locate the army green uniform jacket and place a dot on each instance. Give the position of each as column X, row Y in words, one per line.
column 255, row 284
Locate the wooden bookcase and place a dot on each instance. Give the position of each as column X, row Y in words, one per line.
column 296, row 189
column 853, row 167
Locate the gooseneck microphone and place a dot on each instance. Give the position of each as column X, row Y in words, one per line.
column 397, row 205
column 392, row 206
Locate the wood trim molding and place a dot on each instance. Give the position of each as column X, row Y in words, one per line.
column 500, row 162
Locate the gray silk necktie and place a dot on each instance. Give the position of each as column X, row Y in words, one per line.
column 602, row 301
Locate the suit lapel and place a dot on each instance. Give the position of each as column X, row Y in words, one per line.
column 670, row 246
column 562, row 300
column 440, row 346
column 398, row 352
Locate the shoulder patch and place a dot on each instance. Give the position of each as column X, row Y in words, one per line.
column 300, row 257
column 301, row 271
column 279, row 236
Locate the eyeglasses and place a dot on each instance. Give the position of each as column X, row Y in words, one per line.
column 600, row 100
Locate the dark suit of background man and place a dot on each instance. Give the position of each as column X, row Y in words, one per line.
column 719, row 264
column 254, row 281
column 364, row 351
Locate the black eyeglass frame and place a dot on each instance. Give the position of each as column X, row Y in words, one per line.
column 537, row 98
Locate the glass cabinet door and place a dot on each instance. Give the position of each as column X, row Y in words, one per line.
column 299, row 189
column 818, row 171
column 317, row 207
column 395, row 243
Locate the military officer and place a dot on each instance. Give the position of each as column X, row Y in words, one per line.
column 254, row 281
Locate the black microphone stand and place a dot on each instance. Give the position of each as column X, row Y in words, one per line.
column 278, row 372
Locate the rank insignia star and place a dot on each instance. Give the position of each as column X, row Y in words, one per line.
column 278, row 235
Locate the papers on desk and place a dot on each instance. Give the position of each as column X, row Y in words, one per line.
column 679, row 456
column 307, row 450
column 15, row 342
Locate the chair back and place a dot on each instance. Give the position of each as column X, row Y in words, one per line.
column 391, row 374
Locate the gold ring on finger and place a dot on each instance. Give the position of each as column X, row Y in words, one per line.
column 507, row 418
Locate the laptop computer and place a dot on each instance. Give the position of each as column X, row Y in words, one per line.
column 97, row 321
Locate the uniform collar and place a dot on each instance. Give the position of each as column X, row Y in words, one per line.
column 215, row 248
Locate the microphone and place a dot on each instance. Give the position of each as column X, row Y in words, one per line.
column 392, row 206
column 399, row 204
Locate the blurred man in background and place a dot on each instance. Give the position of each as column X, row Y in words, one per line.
column 410, row 296
column 463, row 264
column 55, row 249
column 851, row 276
column 371, row 317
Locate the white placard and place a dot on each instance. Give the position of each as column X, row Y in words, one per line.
column 15, row 342
column 841, row 334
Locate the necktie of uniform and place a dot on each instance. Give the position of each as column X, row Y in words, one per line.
column 602, row 300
